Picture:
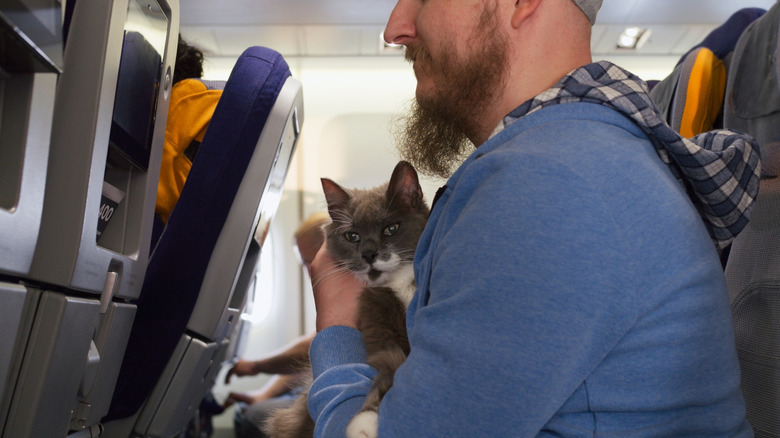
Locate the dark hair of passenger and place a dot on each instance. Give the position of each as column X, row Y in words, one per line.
column 189, row 62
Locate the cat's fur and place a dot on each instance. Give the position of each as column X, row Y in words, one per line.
column 373, row 235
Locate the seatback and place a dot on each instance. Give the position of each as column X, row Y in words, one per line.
column 691, row 97
column 63, row 298
column 28, row 87
column 752, row 105
column 698, row 98
column 199, row 272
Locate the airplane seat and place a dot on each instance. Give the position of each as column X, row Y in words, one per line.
column 31, row 64
column 192, row 106
column 64, row 323
column 27, row 94
column 199, row 272
column 691, row 97
column 752, row 105
column 698, row 98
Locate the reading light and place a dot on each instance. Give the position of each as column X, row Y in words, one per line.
column 633, row 38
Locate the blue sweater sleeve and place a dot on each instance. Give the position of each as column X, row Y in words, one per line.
column 341, row 379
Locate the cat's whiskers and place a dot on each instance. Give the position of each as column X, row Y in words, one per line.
column 341, row 219
column 322, row 275
column 388, row 205
column 341, row 229
column 405, row 254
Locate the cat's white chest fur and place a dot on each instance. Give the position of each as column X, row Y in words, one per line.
column 402, row 283
column 398, row 276
column 364, row 425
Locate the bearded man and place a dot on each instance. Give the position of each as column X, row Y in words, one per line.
column 568, row 279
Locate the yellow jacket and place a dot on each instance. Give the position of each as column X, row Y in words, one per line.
column 192, row 105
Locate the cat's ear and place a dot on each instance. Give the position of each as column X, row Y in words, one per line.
column 404, row 188
column 337, row 197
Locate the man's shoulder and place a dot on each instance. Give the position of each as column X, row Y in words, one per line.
column 574, row 134
column 574, row 120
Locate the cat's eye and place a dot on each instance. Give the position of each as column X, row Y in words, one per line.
column 390, row 230
column 352, row 236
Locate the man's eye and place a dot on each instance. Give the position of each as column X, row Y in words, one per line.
column 390, row 230
column 352, row 236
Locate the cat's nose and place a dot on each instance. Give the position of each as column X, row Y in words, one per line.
column 369, row 256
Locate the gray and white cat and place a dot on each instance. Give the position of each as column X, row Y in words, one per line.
column 373, row 234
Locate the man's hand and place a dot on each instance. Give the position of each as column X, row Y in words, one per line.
column 241, row 368
column 336, row 292
column 249, row 399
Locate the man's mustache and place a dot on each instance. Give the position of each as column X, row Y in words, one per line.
column 416, row 52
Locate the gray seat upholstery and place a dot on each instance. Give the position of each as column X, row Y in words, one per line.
column 752, row 105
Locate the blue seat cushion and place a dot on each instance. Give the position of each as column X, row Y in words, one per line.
column 177, row 266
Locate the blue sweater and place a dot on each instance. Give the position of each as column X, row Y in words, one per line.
column 566, row 286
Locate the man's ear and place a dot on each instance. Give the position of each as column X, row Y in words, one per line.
column 523, row 9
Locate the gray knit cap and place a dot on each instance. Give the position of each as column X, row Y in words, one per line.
column 589, row 7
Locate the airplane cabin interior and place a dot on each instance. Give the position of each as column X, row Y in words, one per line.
column 119, row 323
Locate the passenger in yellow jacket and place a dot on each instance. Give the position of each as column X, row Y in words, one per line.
column 192, row 105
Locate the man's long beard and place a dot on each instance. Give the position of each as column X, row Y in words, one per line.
column 434, row 136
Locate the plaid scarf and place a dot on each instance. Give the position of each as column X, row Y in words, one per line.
column 719, row 169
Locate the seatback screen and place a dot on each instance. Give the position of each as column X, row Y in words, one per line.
column 38, row 25
column 138, row 84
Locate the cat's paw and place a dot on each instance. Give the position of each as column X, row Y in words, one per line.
column 363, row 425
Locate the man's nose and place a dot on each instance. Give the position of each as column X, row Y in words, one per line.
column 400, row 27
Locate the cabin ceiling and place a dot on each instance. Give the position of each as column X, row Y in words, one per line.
column 321, row 28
